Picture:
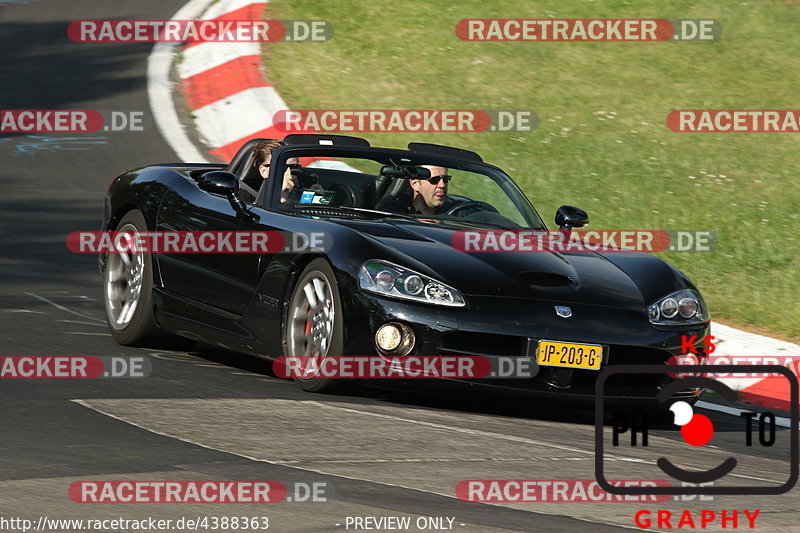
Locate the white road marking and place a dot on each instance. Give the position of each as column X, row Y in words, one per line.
column 436, row 460
column 512, row 438
column 779, row 420
column 445, row 427
column 61, row 307
column 83, row 322
column 183, row 358
column 503, row 436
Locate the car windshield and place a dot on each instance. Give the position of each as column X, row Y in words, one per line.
column 474, row 195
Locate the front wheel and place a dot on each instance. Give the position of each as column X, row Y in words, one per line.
column 128, row 288
column 314, row 327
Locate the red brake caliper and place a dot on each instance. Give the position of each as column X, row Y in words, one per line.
column 308, row 322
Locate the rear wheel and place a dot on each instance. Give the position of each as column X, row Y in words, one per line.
column 314, row 328
column 128, row 291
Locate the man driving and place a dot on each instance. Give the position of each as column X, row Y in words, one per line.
column 427, row 196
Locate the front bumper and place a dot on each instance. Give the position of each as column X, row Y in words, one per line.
column 497, row 326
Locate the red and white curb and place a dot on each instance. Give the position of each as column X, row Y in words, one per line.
column 226, row 90
column 232, row 102
column 771, row 392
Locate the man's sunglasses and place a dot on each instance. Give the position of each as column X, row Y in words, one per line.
column 434, row 180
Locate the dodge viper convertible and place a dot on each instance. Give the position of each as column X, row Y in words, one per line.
column 389, row 282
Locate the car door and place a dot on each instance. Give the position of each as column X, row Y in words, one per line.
column 225, row 281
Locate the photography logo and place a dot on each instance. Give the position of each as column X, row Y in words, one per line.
column 630, row 442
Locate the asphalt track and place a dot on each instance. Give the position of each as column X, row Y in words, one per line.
column 209, row 414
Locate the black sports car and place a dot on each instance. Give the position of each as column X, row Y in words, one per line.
column 389, row 281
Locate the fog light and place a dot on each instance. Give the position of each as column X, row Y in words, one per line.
column 388, row 337
column 394, row 338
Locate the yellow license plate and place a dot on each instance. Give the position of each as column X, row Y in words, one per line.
column 554, row 353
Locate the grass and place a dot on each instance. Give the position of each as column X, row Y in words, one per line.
column 602, row 141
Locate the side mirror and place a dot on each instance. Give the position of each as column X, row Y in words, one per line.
column 569, row 217
column 226, row 184
column 219, row 182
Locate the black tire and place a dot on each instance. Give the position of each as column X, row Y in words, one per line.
column 128, row 279
column 328, row 331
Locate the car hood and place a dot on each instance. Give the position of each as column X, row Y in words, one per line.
column 588, row 278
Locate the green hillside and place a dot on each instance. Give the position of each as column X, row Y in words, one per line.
column 602, row 142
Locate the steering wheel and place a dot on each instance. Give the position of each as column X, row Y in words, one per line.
column 348, row 194
column 471, row 203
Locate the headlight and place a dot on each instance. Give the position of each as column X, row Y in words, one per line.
column 388, row 279
column 681, row 308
